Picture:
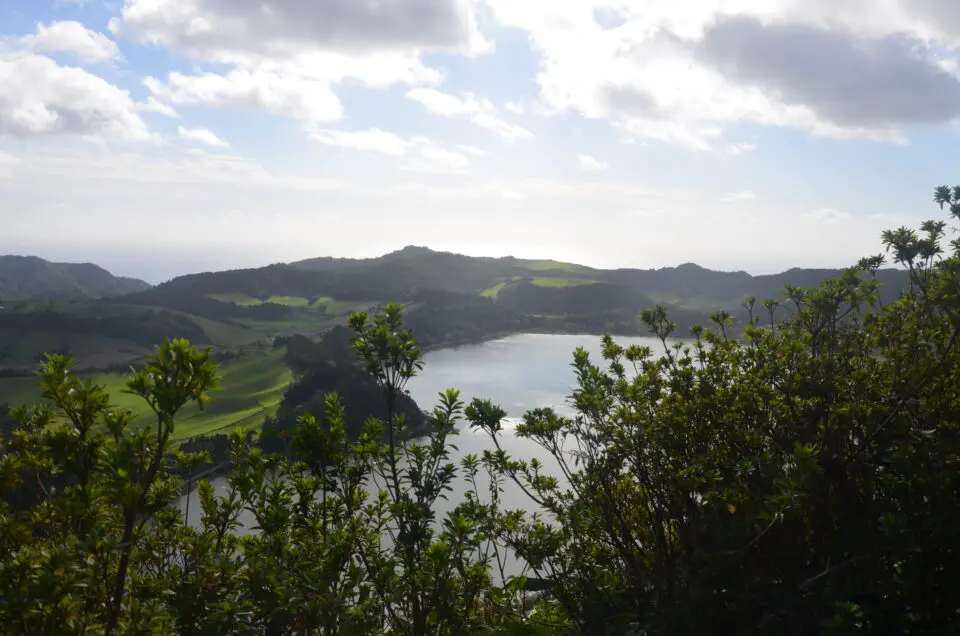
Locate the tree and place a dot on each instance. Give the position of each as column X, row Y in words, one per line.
column 97, row 487
column 346, row 541
column 798, row 478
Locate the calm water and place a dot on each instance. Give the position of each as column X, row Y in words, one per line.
column 519, row 373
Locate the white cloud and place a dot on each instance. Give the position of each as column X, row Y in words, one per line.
column 480, row 112
column 286, row 57
column 73, row 38
column 589, row 163
column 373, row 140
column 152, row 105
column 447, row 105
column 300, row 87
column 40, row 97
column 703, row 74
column 324, row 212
column 7, row 164
column 201, row 135
column 828, row 214
column 231, row 30
column 472, row 150
column 741, row 148
column 743, row 195
column 507, row 131
column 423, row 154
column 290, row 95
column 516, row 108
column 645, row 213
column 682, row 71
column 431, row 157
column 849, row 82
column 206, row 171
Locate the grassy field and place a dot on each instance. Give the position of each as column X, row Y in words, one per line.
column 19, row 350
column 224, row 335
column 252, row 387
column 542, row 266
column 237, row 299
column 562, row 282
column 699, row 303
column 17, row 391
column 288, row 301
column 494, row 291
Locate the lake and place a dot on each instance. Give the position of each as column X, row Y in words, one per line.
column 519, row 373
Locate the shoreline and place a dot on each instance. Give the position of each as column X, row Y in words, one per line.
column 9, row 373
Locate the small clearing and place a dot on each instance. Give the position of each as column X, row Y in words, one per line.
column 562, row 282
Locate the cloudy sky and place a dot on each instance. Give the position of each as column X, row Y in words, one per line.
column 158, row 137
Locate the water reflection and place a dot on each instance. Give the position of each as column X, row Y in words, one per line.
column 519, row 373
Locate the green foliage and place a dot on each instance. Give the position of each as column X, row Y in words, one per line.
column 801, row 479
column 421, row 277
column 493, row 292
column 98, row 488
column 332, row 366
column 796, row 476
column 289, row 301
column 252, row 386
column 82, row 331
column 346, row 539
column 562, row 282
column 249, row 307
column 557, row 296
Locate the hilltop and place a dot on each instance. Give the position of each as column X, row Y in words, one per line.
column 32, row 278
column 413, row 272
column 108, row 323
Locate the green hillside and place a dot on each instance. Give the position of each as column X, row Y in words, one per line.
column 249, row 306
column 451, row 299
column 104, row 334
column 493, row 292
column 557, row 266
column 252, row 388
column 411, row 274
column 29, row 277
column 541, row 281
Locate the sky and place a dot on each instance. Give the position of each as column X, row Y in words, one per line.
column 162, row 137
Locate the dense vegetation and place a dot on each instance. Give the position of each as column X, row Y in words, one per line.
column 451, row 299
column 413, row 275
column 798, row 478
column 325, row 367
column 29, row 277
column 569, row 297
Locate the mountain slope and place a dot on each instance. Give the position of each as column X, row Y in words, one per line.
column 412, row 273
column 32, row 278
column 693, row 286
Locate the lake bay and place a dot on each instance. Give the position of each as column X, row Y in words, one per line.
column 518, row 373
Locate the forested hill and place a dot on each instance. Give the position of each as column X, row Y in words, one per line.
column 32, row 278
column 451, row 299
column 534, row 286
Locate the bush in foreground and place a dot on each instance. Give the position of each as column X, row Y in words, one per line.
column 802, row 478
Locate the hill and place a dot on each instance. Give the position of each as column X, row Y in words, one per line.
column 454, row 298
column 451, row 298
column 32, row 278
column 410, row 274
